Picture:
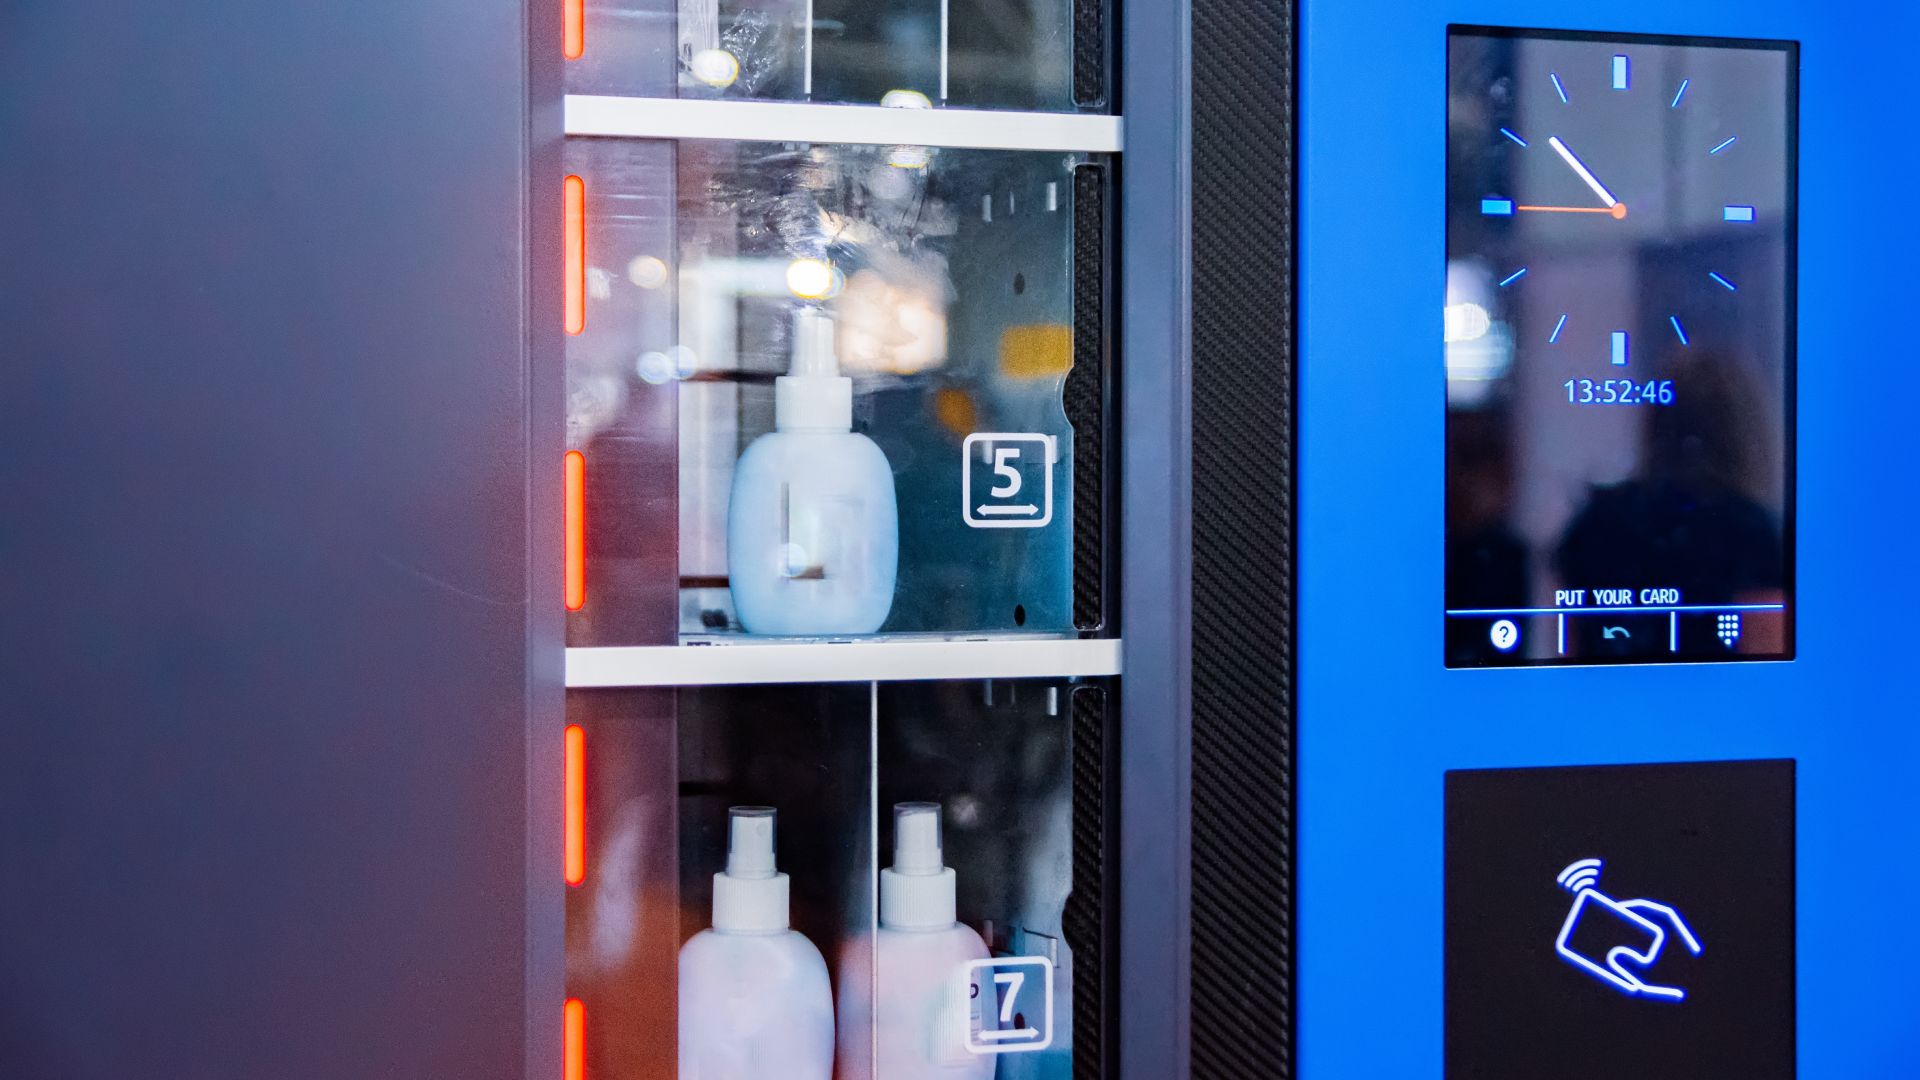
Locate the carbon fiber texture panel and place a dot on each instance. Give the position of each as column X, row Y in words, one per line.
column 1243, row 557
column 1088, row 920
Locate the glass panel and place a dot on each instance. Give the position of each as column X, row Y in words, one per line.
column 770, row 789
column 760, row 299
column 977, row 778
column 732, row 919
column 1006, row 54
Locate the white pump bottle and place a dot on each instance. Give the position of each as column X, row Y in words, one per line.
column 922, row 1003
column 813, row 525
column 755, row 1003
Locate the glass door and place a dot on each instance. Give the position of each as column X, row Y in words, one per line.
column 840, row 497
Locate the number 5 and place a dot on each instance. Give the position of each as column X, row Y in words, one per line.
column 1003, row 468
column 1014, row 979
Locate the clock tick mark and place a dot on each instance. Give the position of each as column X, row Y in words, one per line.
column 1554, row 338
column 1678, row 330
column 1514, row 137
column 1517, row 275
column 1682, row 92
column 1557, row 86
column 1715, row 275
column 1724, row 145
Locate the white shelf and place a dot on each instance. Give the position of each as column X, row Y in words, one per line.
column 778, row 121
column 853, row 661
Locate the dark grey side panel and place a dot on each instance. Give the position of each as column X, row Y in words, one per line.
column 1155, row 549
column 269, row 642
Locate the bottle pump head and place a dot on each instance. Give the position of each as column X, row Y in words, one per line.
column 750, row 895
column 917, row 891
column 813, row 395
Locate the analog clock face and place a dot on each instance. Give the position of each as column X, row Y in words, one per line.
column 1619, row 324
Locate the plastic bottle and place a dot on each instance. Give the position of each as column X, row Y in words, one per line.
column 813, row 529
column 922, row 1004
column 755, row 1003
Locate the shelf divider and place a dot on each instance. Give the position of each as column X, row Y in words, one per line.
column 853, row 661
column 805, row 122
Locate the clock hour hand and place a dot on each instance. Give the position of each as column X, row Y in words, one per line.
column 1586, row 174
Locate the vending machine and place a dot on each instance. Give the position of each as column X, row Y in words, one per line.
column 956, row 540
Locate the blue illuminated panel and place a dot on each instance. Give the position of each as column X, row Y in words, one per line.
column 1619, row 72
column 1498, row 207
column 1372, row 852
column 1737, row 213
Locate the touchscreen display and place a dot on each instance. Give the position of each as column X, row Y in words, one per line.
column 1619, row 340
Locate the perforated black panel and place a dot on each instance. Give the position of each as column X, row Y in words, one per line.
column 1090, row 53
column 1088, row 918
column 1087, row 401
column 1243, row 557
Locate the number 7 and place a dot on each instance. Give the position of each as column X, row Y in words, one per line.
column 1014, row 979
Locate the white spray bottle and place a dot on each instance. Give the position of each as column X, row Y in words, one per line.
column 923, row 1005
column 755, row 1003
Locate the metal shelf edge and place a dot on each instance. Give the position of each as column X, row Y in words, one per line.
column 875, row 661
column 781, row 121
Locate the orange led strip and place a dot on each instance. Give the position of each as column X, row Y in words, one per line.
column 575, row 557
column 576, row 254
column 576, row 1040
column 576, row 799
column 573, row 34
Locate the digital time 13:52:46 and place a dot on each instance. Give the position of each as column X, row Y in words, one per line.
column 1619, row 392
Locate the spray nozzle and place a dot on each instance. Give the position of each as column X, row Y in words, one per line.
column 813, row 395
column 750, row 842
column 813, row 355
column 917, row 847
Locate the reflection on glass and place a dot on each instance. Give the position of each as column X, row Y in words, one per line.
column 1619, row 349
column 942, row 283
column 1007, row 54
column 735, row 913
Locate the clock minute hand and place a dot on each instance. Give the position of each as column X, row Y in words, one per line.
column 1573, row 163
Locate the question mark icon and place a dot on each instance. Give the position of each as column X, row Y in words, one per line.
column 1505, row 635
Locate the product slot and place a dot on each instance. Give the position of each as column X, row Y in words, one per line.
column 731, row 858
column 852, row 379
column 1027, row 54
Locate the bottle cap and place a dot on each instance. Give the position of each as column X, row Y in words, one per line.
column 813, row 395
column 918, row 891
column 750, row 895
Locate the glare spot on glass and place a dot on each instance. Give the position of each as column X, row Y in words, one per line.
column 905, row 99
column 715, row 67
column 647, row 271
column 1467, row 322
column 810, row 279
column 654, row 367
column 683, row 361
column 909, row 157
column 795, row 560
